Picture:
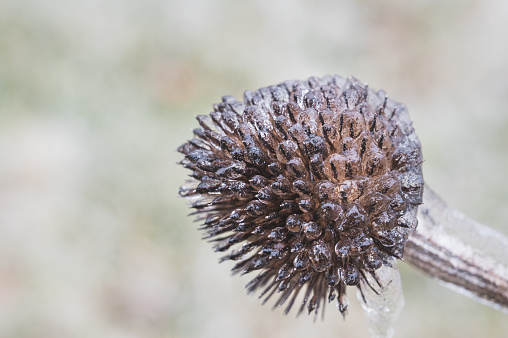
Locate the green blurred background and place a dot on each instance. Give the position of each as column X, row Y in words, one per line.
column 95, row 97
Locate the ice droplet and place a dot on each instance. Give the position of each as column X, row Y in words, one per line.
column 320, row 256
column 382, row 309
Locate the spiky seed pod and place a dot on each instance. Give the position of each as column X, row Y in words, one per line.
column 315, row 182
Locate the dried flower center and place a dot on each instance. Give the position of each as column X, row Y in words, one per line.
column 320, row 180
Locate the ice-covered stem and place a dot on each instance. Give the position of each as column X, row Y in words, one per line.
column 468, row 256
column 382, row 302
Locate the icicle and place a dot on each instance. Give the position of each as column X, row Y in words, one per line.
column 382, row 300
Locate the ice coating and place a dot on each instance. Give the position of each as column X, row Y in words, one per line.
column 314, row 183
column 467, row 256
column 383, row 301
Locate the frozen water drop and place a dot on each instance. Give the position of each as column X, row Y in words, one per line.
column 320, row 256
column 294, row 223
column 312, row 230
column 301, row 261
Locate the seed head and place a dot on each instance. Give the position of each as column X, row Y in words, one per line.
column 312, row 183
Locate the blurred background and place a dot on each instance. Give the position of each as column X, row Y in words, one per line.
column 95, row 97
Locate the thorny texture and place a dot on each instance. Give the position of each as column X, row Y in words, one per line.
column 315, row 182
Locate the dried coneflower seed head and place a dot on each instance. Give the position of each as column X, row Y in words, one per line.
column 313, row 183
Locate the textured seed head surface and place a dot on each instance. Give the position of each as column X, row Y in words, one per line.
column 312, row 183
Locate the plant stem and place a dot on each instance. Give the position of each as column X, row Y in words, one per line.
column 468, row 256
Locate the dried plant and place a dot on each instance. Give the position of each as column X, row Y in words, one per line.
column 317, row 182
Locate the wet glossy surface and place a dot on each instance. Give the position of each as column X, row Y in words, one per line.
column 321, row 177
